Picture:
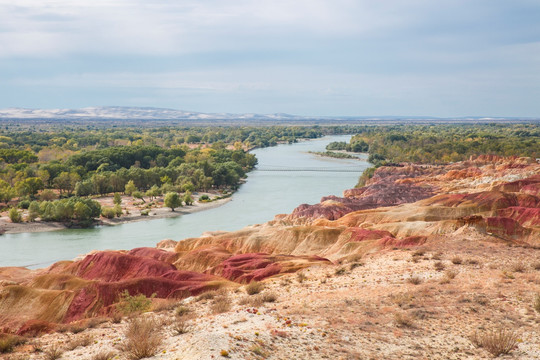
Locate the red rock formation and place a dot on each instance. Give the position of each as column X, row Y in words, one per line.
column 402, row 206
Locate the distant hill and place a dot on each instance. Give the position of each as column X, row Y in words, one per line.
column 151, row 113
column 133, row 113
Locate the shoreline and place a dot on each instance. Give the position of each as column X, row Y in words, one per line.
column 133, row 216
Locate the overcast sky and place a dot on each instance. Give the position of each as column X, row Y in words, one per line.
column 306, row 57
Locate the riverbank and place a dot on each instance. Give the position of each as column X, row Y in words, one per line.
column 132, row 212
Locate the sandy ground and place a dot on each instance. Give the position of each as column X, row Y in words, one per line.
column 364, row 309
column 133, row 209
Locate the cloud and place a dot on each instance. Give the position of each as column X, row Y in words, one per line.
column 305, row 56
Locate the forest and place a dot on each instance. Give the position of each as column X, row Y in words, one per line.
column 55, row 172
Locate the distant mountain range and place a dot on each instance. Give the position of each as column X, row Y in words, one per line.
column 132, row 113
column 150, row 113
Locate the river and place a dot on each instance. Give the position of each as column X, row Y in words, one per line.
column 265, row 194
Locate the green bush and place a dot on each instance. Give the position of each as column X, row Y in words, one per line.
column 129, row 304
column 108, row 212
column 24, row 204
column 15, row 215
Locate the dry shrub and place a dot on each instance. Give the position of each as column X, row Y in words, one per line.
column 142, row 338
column 340, row 271
column 209, row 295
column 181, row 326
column 450, row 274
column 164, row 305
column 518, row 267
column 116, row 317
column 355, row 265
column 536, row 303
column 497, row 341
column 419, row 252
column 254, row 287
column 53, row 353
column 81, row 341
column 104, row 355
column 269, row 297
column 403, row 320
column 456, row 260
column 439, row 266
column 403, row 300
column 536, row 266
column 414, row 279
column 222, row 303
column 8, row 343
column 182, row 310
column 301, row 277
column 437, row 256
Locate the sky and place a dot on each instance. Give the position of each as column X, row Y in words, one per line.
column 306, row 57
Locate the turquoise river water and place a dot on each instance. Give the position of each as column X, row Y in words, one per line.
column 265, row 194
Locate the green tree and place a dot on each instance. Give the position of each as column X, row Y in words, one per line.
column 172, row 200
column 66, row 181
column 7, row 193
column 29, row 186
column 82, row 211
column 138, row 195
column 117, row 200
column 153, row 192
column 130, row 187
column 188, row 199
column 33, row 211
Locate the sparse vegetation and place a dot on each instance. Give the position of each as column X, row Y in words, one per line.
column 340, row 271
column 254, row 287
column 142, row 338
column 104, row 355
column 457, row 260
column 301, row 277
column 209, row 295
column 536, row 303
column 402, row 319
column 53, row 353
column 518, row 267
column 269, row 297
column 181, row 326
column 182, row 310
column 81, row 341
column 130, row 304
column 414, row 279
column 221, row 304
column 497, row 341
column 8, row 342
column 439, row 266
